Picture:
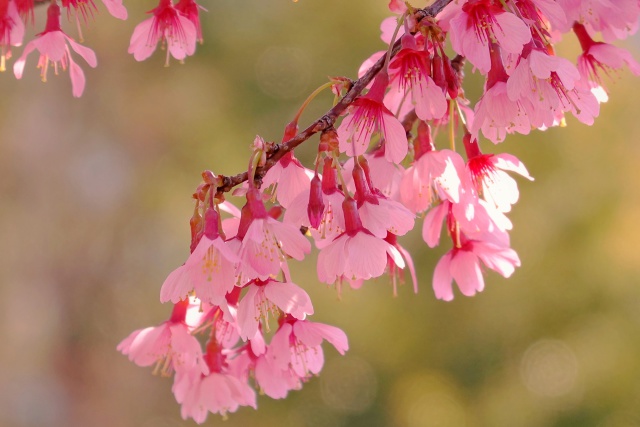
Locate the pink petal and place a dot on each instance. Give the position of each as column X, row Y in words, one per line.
column 511, row 32
column 143, row 40
column 116, row 9
column 18, row 66
column 396, row 145
column 279, row 352
column 175, row 286
column 466, row 272
column 367, row 256
column 53, row 44
column 248, row 314
column 432, row 226
column 86, row 53
column 442, row 278
column 290, row 298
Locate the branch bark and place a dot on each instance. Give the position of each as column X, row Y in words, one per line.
column 330, row 117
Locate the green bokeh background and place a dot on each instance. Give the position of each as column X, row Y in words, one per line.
column 95, row 202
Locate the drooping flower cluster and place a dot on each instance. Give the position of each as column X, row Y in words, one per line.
column 236, row 290
column 405, row 150
column 175, row 25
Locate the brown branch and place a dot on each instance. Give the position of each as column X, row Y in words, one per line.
column 329, row 119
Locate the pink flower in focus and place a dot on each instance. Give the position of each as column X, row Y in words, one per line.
column 265, row 297
column 379, row 215
column 11, row 30
column 487, row 172
column 481, row 23
column 290, row 178
column 368, row 115
column 356, row 253
column 263, row 242
column 297, row 344
column 168, row 26
column 463, row 265
column 209, row 270
column 273, row 381
column 549, row 83
column 217, row 392
column 170, row 345
column 598, row 58
column 410, row 75
column 53, row 48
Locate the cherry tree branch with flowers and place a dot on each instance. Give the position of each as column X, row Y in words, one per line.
column 381, row 169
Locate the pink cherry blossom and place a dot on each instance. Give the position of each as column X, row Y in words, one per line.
column 289, row 177
column 265, row 297
column 368, row 115
column 410, row 75
column 297, row 344
column 170, row 345
column 378, row 214
column 462, row 264
column 356, row 253
column 481, row 23
column 217, row 392
column 487, row 171
column 544, row 14
column 168, row 26
column 598, row 58
column 433, row 174
column 263, row 242
column 53, row 45
column 273, row 381
column 614, row 19
column 209, row 270
column 549, row 83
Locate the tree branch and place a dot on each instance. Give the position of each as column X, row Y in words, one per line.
column 329, row 118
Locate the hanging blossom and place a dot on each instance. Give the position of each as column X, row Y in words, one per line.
column 209, row 270
column 53, row 45
column 410, row 75
column 170, row 345
column 356, row 253
column 477, row 24
column 176, row 32
column 600, row 58
column 368, row 115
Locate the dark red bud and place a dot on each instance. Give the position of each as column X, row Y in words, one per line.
column 424, row 142
column 315, row 209
column 351, row 217
column 211, row 219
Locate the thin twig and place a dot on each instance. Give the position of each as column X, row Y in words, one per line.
column 329, row 119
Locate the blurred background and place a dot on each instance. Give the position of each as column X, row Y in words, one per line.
column 95, row 203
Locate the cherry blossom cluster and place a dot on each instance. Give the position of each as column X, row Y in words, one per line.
column 175, row 26
column 400, row 146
